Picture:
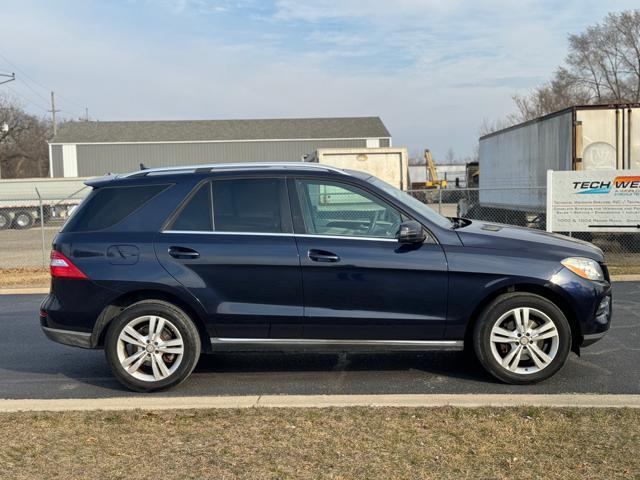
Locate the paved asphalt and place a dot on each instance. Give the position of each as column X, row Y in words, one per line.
column 32, row 366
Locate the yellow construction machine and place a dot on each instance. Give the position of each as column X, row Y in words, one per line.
column 432, row 174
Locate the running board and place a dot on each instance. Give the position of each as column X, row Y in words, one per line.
column 220, row 344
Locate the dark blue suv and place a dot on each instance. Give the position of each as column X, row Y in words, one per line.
column 160, row 265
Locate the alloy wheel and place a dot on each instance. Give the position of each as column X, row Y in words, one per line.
column 150, row 348
column 524, row 340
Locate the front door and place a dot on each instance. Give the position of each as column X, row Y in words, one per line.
column 359, row 282
column 238, row 259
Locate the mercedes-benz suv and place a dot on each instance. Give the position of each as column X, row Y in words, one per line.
column 161, row 265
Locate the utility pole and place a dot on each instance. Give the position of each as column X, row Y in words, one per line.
column 86, row 114
column 11, row 77
column 53, row 113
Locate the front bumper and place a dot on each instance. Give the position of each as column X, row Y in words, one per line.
column 589, row 303
column 601, row 321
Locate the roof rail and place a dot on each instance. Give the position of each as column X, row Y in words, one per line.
column 229, row 166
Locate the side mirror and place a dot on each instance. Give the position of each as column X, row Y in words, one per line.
column 410, row 232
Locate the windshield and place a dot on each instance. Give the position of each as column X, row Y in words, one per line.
column 412, row 202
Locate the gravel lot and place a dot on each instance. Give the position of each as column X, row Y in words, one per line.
column 23, row 248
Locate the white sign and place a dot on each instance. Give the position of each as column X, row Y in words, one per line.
column 593, row 201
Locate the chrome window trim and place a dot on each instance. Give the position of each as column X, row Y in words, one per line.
column 207, row 232
column 271, row 234
column 346, row 237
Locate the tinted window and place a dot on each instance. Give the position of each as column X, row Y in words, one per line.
column 109, row 205
column 196, row 215
column 248, row 205
column 338, row 209
column 412, row 202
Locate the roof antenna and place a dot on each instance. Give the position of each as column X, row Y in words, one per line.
column 142, row 167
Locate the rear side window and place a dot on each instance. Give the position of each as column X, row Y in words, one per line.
column 196, row 215
column 250, row 205
column 110, row 205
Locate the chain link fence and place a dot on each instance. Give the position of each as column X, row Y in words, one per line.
column 506, row 206
column 32, row 212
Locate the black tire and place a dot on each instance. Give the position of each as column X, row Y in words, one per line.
column 494, row 311
column 179, row 319
column 5, row 220
column 23, row 220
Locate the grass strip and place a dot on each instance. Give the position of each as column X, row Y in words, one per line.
column 332, row 443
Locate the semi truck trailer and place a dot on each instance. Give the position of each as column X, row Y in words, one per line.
column 21, row 199
column 513, row 162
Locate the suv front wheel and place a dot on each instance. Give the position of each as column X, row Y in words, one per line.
column 152, row 345
column 522, row 338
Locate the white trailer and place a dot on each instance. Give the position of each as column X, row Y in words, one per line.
column 388, row 164
column 514, row 161
column 23, row 200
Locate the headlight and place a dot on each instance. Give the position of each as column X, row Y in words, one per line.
column 584, row 267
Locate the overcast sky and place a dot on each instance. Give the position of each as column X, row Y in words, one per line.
column 431, row 69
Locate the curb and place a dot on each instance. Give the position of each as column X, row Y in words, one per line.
column 631, row 277
column 150, row 402
column 24, row 291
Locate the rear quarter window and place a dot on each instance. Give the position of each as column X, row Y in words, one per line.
column 110, row 205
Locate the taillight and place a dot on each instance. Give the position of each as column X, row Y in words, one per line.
column 62, row 267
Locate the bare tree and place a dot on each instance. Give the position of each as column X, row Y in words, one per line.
column 450, row 156
column 23, row 142
column 602, row 66
column 489, row 126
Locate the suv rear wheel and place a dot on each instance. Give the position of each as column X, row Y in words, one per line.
column 522, row 338
column 152, row 345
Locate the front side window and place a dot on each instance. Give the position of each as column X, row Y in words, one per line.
column 331, row 208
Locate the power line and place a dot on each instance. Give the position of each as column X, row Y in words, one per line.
column 26, row 75
column 11, row 77
column 28, row 100
column 33, row 89
column 22, row 71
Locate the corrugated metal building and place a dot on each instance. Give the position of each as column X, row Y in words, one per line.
column 454, row 174
column 95, row 148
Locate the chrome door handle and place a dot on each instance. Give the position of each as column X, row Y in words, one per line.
column 322, row 256
column 183, row 253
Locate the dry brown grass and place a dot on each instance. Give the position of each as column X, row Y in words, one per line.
column 24, row 277
column 624, row 269
column 368, row 443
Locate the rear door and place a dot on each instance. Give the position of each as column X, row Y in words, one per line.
column 359, row 282
column 607, row 138
column 231, row 245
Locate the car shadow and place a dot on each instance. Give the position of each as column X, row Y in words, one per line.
column 450, row 364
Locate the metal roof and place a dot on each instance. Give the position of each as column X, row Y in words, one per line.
column 601, row 106
column 220, row 130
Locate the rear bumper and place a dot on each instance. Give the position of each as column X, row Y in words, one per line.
column 68, row 337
